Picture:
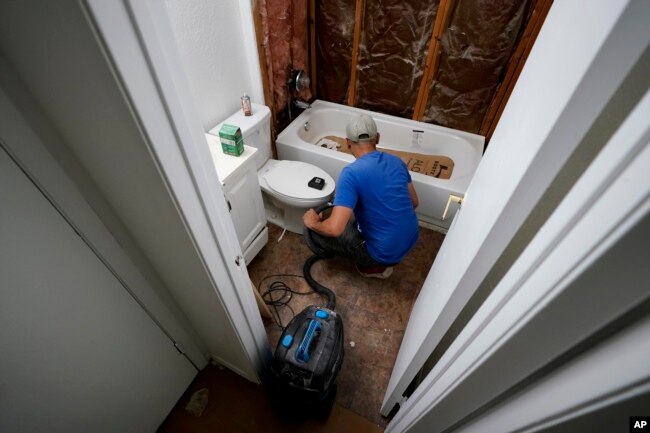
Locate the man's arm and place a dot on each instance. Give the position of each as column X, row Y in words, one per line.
column 332, row 226
column 414, row 195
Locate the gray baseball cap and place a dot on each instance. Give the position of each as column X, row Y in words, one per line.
column 361, row 127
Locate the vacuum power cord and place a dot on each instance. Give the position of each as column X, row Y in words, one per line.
column 278, row 295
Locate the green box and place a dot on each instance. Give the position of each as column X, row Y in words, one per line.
column 232, row 142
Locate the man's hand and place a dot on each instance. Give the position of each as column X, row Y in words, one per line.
column 310, row 219
column 332, row 226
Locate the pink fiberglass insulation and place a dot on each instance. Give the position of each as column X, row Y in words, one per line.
column 475, row 50
column 284, row 23
column 392, row 53
column 277, row 22
column 299, row 40
column 395, row 38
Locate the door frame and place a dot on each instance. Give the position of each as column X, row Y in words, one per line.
column 136, row 40
column 591, row 86
column 138, row 43
column 556, row 303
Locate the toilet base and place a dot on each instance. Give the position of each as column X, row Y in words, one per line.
column 289, row 218
column 293, row 219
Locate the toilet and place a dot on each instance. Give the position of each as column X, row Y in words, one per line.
column 285, row 184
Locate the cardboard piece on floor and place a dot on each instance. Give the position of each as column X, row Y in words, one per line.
column 264, row 309
column 437, row 166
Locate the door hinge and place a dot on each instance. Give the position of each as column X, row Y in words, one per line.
column 179, row 347
column 228, row 202
column 402, row 401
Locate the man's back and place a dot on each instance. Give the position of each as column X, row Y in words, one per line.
column 375, row 186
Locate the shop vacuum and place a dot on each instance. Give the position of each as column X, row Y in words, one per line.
column 309, row 355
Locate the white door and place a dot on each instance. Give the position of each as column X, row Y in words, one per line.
column 584, row 54
column 137, row 36
column 78, row 352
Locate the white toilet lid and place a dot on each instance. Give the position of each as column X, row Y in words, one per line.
column 291, row 178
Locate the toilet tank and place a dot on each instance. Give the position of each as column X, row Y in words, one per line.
column 255, row 129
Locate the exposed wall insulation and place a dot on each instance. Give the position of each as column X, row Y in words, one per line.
column 299, row 38
column 284, row 28
column 394, row 41
column 536, row 16
column 334, row 32
column 467, row 49
column 475, row 49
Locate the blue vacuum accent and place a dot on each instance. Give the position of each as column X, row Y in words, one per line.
column 287, row 340
column 302, row 354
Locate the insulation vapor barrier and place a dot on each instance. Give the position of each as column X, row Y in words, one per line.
column 394, row 42
column 475, row 50
column 335, row 31
column 284, row 25
column 393, row 49
column 299, row 38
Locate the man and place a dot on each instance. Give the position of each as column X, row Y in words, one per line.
column 373, row 220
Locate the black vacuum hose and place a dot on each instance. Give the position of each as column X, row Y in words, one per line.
column 315, row 285
column 306, row 269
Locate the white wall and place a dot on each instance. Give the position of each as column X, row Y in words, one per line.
column 78, row 353
column 23, row 102
column 216, row 43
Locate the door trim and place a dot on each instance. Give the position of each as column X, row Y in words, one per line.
column 593, row 241
column 613, row 51
column 584, row 391
column 534, row 315
column 596, row 60
column 139, row 45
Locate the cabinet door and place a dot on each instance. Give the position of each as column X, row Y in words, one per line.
column 245, row 203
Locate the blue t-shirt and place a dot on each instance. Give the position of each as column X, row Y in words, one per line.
column 375, row 187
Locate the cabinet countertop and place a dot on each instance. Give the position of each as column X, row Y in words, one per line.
column 226, row 165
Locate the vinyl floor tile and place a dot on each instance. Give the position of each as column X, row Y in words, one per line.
column 375, row 312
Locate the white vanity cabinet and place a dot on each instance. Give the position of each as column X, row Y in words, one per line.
column 238, row 176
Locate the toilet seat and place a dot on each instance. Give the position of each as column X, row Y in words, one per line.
column 290, row 179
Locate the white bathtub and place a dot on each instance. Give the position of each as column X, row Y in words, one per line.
column 297, row 141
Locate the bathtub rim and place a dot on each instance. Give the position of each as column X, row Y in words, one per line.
column 476, row 140
column 455, row 185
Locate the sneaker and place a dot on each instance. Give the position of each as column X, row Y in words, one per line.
column 382, row 272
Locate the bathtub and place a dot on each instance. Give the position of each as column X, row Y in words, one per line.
column 298, row 142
